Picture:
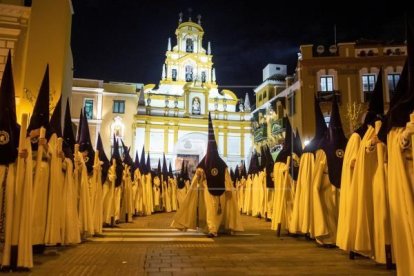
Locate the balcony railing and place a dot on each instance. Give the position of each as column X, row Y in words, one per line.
column 326, row 96
column 260, row 133
column 277, row 127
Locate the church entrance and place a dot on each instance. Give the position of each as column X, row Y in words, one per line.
column 190, row 160
column 191, row 148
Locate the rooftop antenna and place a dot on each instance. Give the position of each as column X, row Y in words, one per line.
column 334, row 34
column 199, row 19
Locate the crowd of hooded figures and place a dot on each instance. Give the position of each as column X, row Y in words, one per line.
column 355, row 193
column 56, row 189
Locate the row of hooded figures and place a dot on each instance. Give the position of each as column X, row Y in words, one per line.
column 356, row 194
column 55, row 189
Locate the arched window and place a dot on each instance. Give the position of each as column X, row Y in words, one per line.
column 189, row 45
column 188, row 73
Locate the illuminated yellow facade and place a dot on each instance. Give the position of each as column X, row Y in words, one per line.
column 172, row 118
column 348, row 70
column 37, row 35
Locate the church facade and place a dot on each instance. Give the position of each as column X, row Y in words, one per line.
column 172, row 117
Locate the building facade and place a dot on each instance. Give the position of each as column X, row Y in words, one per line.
column 348, row 70
column 37, row 34
column 172, row 117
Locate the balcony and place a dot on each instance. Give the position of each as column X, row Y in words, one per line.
column 260, row 133
column 326, row 96
column 278, row 127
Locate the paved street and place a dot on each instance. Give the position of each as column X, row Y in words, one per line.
column 149, row 246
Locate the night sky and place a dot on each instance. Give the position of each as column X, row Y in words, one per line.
column 126, row 40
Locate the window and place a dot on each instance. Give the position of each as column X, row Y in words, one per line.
column 264, row 95
column 174, row 74
column 88, row 108
column 203, row 76
column 326, row 83
column 118, row 106
column 189, row 45
column 392, row 83
column 368, row 84
column 188, row 73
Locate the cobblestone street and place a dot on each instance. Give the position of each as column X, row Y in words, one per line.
column 149, row 246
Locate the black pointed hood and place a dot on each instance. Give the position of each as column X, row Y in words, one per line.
column 254, row 164
column 148, row 165
column 79, row 126
column 398, row 93
column 334, row 145
column 399, row 115
column 56, row 120
column 269, row 168
column 68, row 136
column 181, row 178
column 375, row 109
column 143, row 165
column 119, row 167
column 236, row 173
column 297, row 144
column 212, row 164
column 102, row 157
column 164, row 168
column 287, row 145
column 137, row 164
column 40, row 116
column 127, row 158
column 320, row 129
column 85, row 145
column 243, row 172
column 170, row 172
column 9, row 129
column 233, row 179
column 262, row 158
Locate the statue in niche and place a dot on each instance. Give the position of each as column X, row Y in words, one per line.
column 196, row 107
column 188, row 73
column 189, row 45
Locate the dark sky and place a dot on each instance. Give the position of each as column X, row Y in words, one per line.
column 126, row 40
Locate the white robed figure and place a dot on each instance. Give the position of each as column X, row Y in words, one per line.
column 327, row 180
column 70, row 224
column 211, row 198
column 400, row 142
column 16, row 178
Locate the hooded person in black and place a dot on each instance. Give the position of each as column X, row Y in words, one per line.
column 270, row 186
column 173, row 184
column 182, row 188
column 68, row 136
column 328, row 179
column 39, row 124
column 126, row 190
column 211, row 195
column 157, row 188
column 15, row 179
column 284, row 184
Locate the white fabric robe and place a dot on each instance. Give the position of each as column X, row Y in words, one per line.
column 54, row 203
column 85, row 205
column 325, row 204
column 173, row 185
column 70, row 233
column 302, row 209
column 401, row 200
column 348, row 201
column 207, row 205
column 157, row 193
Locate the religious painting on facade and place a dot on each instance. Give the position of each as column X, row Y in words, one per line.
column 190, row 160
column 196, row 107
